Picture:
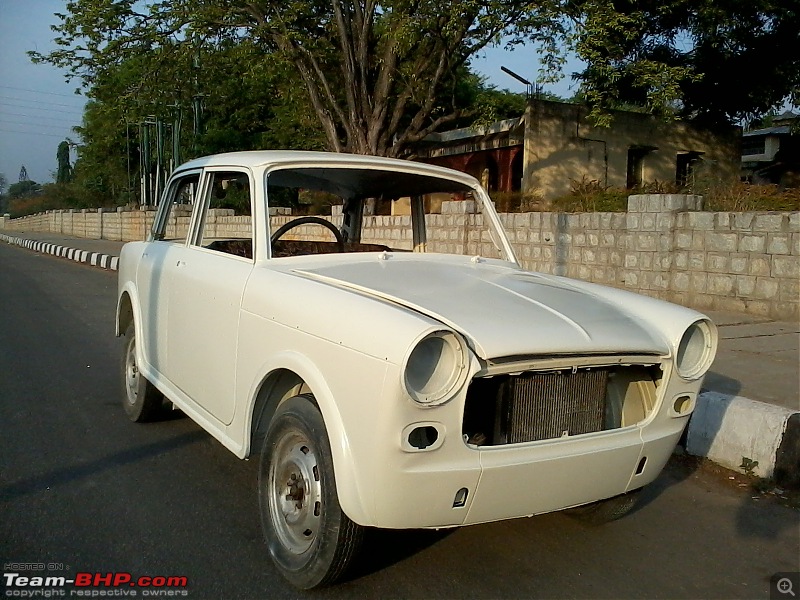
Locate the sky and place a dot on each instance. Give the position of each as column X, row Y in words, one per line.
column 38, row 108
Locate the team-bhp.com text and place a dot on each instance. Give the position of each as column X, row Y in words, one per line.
column 94, row 585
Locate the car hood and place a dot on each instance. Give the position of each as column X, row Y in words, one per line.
column 500, row 309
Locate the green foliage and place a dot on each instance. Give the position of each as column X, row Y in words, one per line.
column 717, row 62
column 376, row 76
column 24, row 189
column 64, row 172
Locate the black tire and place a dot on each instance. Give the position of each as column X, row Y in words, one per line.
column 310, row 539
column 140, row 398
column 605, row 511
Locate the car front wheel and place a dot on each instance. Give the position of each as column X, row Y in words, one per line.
column 310, row 539
column 140, row 398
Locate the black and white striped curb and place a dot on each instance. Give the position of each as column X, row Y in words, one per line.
column 95, row 259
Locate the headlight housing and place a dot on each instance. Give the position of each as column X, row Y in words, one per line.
column 435, row 368
column 696, row 350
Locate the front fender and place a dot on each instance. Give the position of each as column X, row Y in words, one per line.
column 352, row 497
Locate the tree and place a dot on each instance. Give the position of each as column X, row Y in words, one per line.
column 24, row 189
column 713, row 61
column 379, row 76
column 3, row 199
column 64, row 173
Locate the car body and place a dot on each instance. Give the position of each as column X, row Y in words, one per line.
column 449, row 389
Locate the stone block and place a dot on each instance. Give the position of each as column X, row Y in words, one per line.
column 698, row 282
column 665, row 221
column 681, row 260
column 789, row 290
column 697, row 261
column 738, row 263
column 778, row 243
column 718, row 263
column 722, row 221
column 646, row 242
column 769, row 222
column 720, row 284
column 785, row 266
column 745, row 285
column 721, row 242
column 759, row 266
column 752, row 243
column 794, row 222
column 766, row 288
column 699, row 240
column 683, row 240
column 701, row 220
column 680, row 282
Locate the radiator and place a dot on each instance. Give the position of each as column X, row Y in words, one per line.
column 539, row 406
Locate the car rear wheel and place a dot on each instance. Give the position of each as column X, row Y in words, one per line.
column 140, row 398
column 310, row 539
column 607, row 510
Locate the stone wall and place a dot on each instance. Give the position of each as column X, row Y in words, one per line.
column 664, row 246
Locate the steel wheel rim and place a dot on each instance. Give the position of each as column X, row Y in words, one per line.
column 295, row 492
column 131, row 373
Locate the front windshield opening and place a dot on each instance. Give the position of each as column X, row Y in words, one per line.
column 319, row 210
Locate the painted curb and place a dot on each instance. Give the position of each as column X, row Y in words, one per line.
column 727, row 429
column 94, row 259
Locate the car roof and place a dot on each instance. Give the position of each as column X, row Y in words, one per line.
column 269, row 158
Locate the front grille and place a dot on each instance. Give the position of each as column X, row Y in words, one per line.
column 542, row 406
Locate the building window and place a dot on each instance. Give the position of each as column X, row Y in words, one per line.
column 751, row 147
column 685, row 166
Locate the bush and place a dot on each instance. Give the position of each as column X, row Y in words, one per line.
column 589, row 195
column 742, row 196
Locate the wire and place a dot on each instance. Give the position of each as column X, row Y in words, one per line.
column 26, row 100
column 10, row 87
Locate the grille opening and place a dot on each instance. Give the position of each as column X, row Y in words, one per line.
column 511, row 409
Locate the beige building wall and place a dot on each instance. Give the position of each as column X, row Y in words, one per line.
column 562, row 147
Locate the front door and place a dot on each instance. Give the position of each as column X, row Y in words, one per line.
column 209, row 276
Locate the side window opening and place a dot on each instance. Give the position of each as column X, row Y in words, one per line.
column 226, row 224
column 172, row 221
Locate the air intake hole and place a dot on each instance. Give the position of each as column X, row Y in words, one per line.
column 423, row 437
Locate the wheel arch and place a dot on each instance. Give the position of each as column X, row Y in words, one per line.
column 126, row 311
column 293, row 374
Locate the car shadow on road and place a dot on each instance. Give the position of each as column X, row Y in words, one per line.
column 385, row 547
column 71, row 473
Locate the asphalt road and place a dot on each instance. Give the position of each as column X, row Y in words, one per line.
column 82, row 486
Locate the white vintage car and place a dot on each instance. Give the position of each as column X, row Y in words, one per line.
column 393, row 371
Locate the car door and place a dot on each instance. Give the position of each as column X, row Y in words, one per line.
column 153, row 278
column 205, row 294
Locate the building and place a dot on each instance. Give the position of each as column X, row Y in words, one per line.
column 553, row 145
column 772, row 154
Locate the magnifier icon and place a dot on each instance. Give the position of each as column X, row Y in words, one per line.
column 784, row 586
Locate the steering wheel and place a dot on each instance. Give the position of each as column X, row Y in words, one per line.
column 305, row 221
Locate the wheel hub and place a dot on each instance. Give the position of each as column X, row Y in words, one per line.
column 295, row 493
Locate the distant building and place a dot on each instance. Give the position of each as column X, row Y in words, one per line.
column 553, row 145
column 772, row 154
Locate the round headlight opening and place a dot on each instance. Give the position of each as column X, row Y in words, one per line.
column 695, row 351
column 434, row 368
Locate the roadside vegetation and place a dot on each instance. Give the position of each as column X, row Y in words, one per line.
column 167, row 81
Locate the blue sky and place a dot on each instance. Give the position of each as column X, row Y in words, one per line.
column 38, row 108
